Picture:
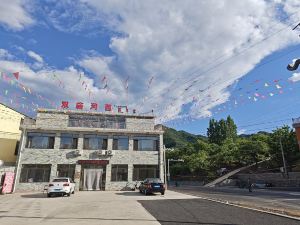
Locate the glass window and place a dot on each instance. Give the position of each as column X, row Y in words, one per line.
column 119, row 172
column 68, row 141
column 115, row 122
column 95, row 142
column 141, row 172
column 121, row 143
column 145, row 144
column 31, row 173
column 66, row 170
column 40, row 140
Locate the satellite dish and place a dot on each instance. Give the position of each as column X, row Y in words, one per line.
column 1, row 162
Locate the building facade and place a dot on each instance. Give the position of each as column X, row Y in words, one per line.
column 100, row 151
column 296, row 125
column 9, row 134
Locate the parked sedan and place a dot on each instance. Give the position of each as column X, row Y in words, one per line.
column 61, row 186
column 151, row 185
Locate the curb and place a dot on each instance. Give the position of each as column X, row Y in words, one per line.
column 272, row 211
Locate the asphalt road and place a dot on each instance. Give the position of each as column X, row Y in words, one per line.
column 198, row 211
column 280, row 200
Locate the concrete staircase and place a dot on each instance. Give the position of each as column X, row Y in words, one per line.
column 227, row 175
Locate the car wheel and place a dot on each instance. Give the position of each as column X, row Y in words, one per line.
column 69, row 194
column 73, row 192
column 145, row 192
column 162, row 193
column 48, row 195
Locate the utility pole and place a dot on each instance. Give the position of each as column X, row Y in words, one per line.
column 283, row 159
column 172, row 160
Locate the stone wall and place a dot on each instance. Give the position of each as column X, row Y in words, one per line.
column 59, row 156
column 276, row 179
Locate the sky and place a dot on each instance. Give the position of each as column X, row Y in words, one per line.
column 188, row 61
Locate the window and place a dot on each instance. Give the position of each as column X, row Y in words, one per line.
column 119, row 172
column 115, row 122
column 145, row 144
column 120, row 143
column 31, row 173
column 141, row 172
column 94, row 142
column 40, row 140
column 66, row 170
column 17, row 148
column 68, row 141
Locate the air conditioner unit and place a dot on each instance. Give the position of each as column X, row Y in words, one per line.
column 102, row 152
column 78, row 152
column 110, row 152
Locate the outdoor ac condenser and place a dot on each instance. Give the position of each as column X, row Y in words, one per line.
column 110, row 152
column 102, row 152
column 78, row 152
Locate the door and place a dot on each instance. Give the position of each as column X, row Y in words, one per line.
column 92, row 179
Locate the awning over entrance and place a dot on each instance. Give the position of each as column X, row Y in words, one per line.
column 97, row 162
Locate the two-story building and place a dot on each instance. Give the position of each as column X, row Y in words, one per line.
column 296, row 125
column 100, row 151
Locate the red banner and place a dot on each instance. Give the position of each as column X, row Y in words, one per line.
column 8, row 182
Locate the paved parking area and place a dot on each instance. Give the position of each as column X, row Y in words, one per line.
column 82, row 208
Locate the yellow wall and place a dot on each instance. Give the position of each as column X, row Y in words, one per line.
column 9, row 133
column 7, row 150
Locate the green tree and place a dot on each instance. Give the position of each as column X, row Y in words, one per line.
column 219, row 131
column 289, row 145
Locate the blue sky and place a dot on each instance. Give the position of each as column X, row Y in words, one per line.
column 188, row 61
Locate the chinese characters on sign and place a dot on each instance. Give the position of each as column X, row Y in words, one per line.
column 94, row 106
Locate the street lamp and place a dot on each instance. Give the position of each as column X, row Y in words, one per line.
column 172, row 160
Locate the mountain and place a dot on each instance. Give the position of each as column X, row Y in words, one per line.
column 174, row 138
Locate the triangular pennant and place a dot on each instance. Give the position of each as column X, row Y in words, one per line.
column 16, row 74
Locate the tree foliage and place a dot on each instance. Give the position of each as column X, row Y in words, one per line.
column 224, row 148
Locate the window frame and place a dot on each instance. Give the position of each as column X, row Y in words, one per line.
column 115, row 177
column 72, row 136
column 30, row 141
column 102, row 146
column 136, row 176
column 29, row 168
column 138, row 140
column 116, row 143
column 66, row 168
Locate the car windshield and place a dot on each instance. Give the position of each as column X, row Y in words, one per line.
column 60, row 180
column 154, row 180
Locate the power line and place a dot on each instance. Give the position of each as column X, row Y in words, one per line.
column 222, row 62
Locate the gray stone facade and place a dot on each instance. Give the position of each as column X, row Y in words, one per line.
column 56, row 122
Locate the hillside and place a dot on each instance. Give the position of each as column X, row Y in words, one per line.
column 174, row 138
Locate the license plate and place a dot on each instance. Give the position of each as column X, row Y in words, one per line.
column 157, row 186
column 57, row 189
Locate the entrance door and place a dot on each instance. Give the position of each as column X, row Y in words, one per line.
column 92, row 179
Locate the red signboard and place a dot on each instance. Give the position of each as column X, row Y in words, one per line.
column 8, row 182
column 98, row 162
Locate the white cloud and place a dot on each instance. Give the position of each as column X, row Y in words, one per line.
column 4, row 54
column 35, row 56
column 295, row 77
column 175, row 42
column 14, row 15
column 241, row 131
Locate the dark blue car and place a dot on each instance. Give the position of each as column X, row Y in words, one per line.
column 151, row 185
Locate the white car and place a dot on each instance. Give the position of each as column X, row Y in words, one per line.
column 61, row 186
